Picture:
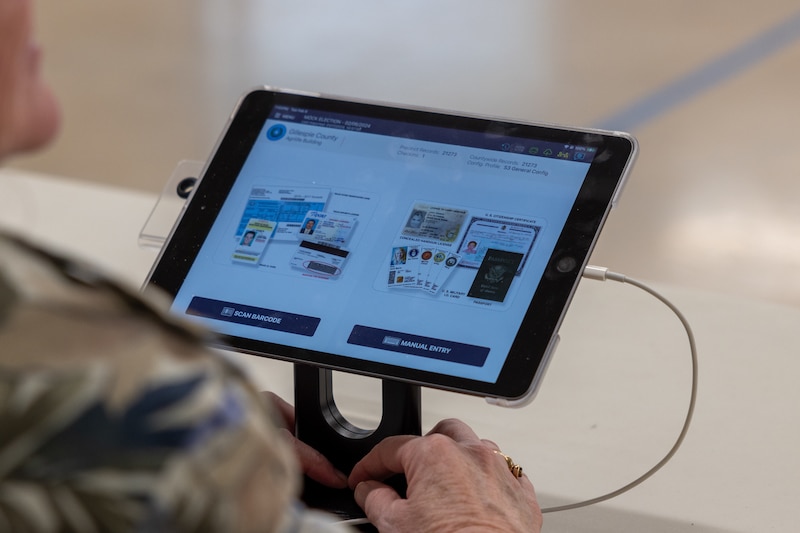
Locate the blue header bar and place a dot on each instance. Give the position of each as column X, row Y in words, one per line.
column 421, row 132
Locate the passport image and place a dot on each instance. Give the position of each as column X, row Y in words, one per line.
column 495, row 275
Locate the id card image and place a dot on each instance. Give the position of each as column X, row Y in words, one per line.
column 495, row 233
column 436, row 223
column 285, row 205
column 424, row 266
column 436, row 264
column 319, row 260
column 333, row 229
column 411, row 270
column 253, row 241
column 445, row 269
column 397, row 266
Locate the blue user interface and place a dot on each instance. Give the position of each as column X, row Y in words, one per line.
column 397, row 243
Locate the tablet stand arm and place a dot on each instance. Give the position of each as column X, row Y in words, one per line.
column 320, row 424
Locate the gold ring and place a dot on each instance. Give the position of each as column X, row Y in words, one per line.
column 512, row 466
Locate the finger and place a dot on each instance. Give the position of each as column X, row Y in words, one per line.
column 492, row 445
column 527, row 484
column 376, row 499
column 383, row 461
column 284, row 408
column 455, row 429
column 316, row 466
column 529, row 492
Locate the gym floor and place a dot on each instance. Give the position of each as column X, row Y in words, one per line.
column 709, row 88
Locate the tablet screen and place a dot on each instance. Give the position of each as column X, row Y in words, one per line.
column 408, row 244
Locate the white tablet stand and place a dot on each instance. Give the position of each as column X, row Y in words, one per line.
column 318, row 421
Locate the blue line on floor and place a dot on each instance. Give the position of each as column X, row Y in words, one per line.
column 705, row 77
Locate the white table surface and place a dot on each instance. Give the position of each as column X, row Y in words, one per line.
column 610, row 406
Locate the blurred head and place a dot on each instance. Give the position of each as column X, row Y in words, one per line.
column 29, row 113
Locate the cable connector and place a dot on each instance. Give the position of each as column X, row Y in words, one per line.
column 595, row 272
column 602, row 274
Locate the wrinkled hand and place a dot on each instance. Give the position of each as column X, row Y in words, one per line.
column 455, row 483
column 312, row 462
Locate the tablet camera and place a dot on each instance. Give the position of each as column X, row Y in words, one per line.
column 185, row 187
column 566, row 264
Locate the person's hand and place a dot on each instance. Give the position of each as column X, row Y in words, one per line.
column 313, row 463
column 456, row 482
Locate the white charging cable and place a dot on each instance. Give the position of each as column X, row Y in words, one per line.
column 603, row 274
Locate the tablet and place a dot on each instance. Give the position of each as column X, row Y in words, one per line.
column 402, row 243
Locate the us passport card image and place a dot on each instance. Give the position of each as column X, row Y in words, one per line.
column 495, row 275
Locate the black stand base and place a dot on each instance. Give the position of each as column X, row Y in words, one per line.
column 320, row 424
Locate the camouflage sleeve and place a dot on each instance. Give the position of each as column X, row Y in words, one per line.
column 114, row 417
